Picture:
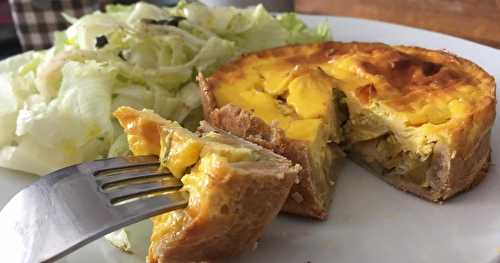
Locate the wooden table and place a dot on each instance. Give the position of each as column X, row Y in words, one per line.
column 477, row 20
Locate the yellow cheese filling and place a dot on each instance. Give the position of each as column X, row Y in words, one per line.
column 179, row 152
column 297, row 100
column 181, row 149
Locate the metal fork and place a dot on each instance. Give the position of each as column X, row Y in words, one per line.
column 69, row 208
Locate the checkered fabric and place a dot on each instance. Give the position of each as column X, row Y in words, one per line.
column 37, row 20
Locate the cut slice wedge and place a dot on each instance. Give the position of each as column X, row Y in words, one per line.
column 235, row 188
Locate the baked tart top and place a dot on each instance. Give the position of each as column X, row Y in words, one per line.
column 420, row 94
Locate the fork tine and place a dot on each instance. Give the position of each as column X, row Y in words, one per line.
column 159, row 203
column 131, row 191
column 129, row 176
column 99, row 166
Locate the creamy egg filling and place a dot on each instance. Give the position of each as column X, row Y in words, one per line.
column 299, row 100
column 194, row 160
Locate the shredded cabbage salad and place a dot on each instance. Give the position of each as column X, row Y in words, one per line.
column 55, row 105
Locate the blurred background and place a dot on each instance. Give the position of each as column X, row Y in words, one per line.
column 23, row 23
column 476, row 20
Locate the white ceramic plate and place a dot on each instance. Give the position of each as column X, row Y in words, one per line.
column 370, row 221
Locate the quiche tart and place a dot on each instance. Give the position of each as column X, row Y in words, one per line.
column 235, row 188
column 420, row 119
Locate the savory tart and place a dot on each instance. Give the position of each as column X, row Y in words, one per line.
column 420, row 119
column 235, row 188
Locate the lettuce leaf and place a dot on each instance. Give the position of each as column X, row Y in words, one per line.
column 299, row 33
column 74, row 127
column 252, row 28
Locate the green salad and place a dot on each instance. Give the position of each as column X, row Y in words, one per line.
column 55, row 105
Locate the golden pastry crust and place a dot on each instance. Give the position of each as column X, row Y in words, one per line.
column 439, row 106
column 230, row 201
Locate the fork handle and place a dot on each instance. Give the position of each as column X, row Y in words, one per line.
column 41, row 223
